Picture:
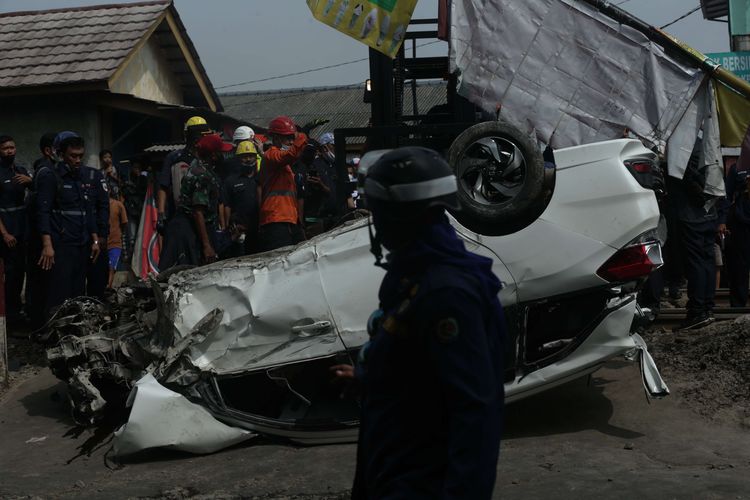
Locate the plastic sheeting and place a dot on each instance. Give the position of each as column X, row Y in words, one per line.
column 574, row 76
column 700, row 118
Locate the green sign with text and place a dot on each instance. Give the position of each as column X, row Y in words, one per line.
column 736, row 62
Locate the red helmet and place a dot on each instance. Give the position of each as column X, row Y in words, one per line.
column 282, row 125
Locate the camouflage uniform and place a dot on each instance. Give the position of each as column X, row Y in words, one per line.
column 200, row 187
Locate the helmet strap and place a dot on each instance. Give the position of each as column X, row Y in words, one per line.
column 375, row 247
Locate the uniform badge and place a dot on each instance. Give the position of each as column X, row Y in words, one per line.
column 447, row 330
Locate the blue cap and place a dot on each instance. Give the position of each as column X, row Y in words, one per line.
column 326, row 138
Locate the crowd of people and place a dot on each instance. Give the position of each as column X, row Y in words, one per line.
column 707, row 243
column 218, row 200
column 67, row 228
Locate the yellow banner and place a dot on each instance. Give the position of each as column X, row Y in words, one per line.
column 734, row 116
column 380, row 24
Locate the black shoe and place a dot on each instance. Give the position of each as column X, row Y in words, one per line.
column 694, row 322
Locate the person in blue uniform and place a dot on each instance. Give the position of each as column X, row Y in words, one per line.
column 242, row 207
column 66, row 222
column 14, row 181
column 738, row 240
column 37, row 282
column 97, row 189
column 431, row 376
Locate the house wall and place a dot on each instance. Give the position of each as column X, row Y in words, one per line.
column 28, row 118
column 147, row 75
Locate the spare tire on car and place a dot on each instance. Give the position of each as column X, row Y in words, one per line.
column 501, row 178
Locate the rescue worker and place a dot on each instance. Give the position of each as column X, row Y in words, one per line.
column 96, row 189
column 191, row 236
column 280, row 223
column 66, row 221
column 241, row 207
column 738, row 235
column 47, row 150
column 37, row 281
column 242, row 134
column 174, row 168
column 14, row 182
column 432, row 374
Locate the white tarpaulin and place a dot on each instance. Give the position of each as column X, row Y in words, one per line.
column 701, row 115
column 570, row 73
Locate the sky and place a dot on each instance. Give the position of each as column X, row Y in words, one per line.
column 244, row 40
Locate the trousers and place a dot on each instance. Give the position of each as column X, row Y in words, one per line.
column 700, row 266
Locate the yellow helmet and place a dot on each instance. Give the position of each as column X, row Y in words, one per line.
column 195, row 120
column 246, row 148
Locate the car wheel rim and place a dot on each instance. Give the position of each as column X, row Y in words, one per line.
column 492, row 170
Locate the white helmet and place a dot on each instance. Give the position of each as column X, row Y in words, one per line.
column 243, row 133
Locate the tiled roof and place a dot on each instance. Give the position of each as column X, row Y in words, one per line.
column 343, row 105
column 71, row 45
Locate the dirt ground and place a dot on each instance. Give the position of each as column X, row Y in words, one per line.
column 588, row 439
column 710, row 368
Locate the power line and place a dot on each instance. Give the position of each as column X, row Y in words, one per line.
column 682, row 17
column 312, row 70
column 293, row 74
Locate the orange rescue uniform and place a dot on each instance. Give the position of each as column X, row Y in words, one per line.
column 278, row 189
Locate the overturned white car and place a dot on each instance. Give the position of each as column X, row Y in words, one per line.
column 251, row 340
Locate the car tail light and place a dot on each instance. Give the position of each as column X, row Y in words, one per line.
column 640, row 166
column 632, row 262
column 646, row 171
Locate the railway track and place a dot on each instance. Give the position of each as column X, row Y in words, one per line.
column 670, row 317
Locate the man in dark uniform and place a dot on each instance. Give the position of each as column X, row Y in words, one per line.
column 97, row 191
column 431, row 374
column 241, row 206
column 37, row 280
column 699, row 221
column 738, row 240
column 333, row 209
column 47, row 150
column 193, row 230
column 14, row 181
column 66, row 221
column 315, row 189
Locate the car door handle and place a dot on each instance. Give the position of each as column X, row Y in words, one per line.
column 312, row 329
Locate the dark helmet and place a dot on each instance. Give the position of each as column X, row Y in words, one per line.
column 63, row 137
column 405, row 182
column 400, row 188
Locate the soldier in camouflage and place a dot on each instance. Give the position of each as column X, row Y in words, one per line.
column 199, row 194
